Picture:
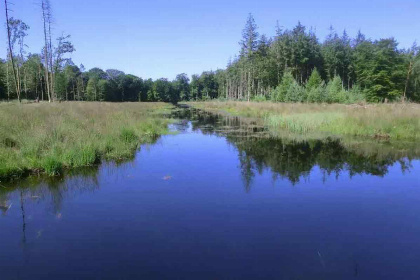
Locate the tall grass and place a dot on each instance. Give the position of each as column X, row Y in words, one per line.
column 386, row 121
column 44, row 137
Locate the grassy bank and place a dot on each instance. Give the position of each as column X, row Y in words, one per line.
column 383, row 121
column 47, row 138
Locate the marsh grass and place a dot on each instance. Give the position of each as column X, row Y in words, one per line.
column 47, row 138
column 383, row 121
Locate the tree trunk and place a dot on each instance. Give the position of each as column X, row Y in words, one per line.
column 11, row 52
column 46, row 55
column 410, row 68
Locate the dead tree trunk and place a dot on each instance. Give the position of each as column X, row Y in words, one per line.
column 46, row 55
column 11, row 52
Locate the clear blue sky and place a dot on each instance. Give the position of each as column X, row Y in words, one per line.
column 161, row 38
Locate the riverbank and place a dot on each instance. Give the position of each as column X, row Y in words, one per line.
column 50, row 137
column 374, row 121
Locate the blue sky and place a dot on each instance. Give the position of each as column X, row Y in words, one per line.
column 162, row 38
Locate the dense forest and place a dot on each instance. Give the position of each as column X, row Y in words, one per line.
column 292, row 66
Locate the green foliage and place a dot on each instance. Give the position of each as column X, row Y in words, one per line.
column 92, row 89
column 335, row 91
column 104, row 90
column 275, row 67
column 295, row 93
column 249, row 37
column 61, row 85
column 317, row 94
column 182, row 86
column 314, row 81
column 380, row 69
column 259, row 98
column 279, row 94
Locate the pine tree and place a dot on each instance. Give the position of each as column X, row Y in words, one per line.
column 249, row 42
column 314, row 81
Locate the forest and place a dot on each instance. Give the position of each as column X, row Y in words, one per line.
column 294, row 65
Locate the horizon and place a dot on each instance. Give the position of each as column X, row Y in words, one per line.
column 205, row 35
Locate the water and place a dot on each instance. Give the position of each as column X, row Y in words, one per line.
column 220, row 200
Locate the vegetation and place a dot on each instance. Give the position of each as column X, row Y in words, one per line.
column 384, row 121
column 292, row 66
column 42, row 137
column 294, row 156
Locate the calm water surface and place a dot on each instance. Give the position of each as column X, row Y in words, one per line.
column 220, row 200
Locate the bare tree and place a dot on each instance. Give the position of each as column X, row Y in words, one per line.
column 15, row 74
column 18, row 33
column 46, row 16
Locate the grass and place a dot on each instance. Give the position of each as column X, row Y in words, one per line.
column 383, row 121
column 47, row 138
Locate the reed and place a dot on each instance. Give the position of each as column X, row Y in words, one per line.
column 47, row 138
column 396, row 121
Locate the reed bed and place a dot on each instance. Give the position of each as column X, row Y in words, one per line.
column 46, row 138
column 396, row 121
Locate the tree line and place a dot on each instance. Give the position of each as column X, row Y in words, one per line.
column 292, row 66
column 51, row 75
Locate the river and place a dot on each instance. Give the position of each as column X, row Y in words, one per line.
column 220, row 199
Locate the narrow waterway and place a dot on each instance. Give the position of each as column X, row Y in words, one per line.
column 220, row 199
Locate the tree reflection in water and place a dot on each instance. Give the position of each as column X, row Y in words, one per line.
column 294, row 159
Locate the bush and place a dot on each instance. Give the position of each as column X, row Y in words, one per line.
column 317, row 94
column 335, row 91
column 355, row 95
column 259, row 98
column 280, row 91
column 295, row 93
column 314, row 81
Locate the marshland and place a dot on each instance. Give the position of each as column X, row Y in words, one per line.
column 299, row 158
column 393, row 122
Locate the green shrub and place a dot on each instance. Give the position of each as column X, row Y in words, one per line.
column 335, row 91
column 295, row 93
column 279, row 93
column 317, row 94
column 259, row 98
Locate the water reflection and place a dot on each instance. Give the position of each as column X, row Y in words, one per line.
column 295, row 159
column 50, row 189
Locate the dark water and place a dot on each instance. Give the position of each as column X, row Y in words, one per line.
column 221, row 200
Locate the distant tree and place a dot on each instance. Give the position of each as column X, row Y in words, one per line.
column 61, row 85
column 195, row 87
column 104, row 90
column 413, row 62
column 97, row 73
column 279, row 94
column 249, row 42
column 182, row 86
column 114, row 73
column 11, row 37
column 47, row 21
column 92, row 89
column 314, row 81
